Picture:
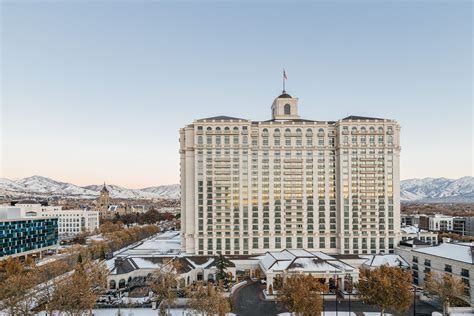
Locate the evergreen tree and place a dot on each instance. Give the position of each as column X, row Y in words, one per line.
column 222, row 263
column 79, row 258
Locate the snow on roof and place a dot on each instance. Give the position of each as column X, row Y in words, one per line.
column 143, row 263
column 385, row 259
column 302, row 260
column 323, row 256
column 412, row 230
column 313, row 265
column 455, row 251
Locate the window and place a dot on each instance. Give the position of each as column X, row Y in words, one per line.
column 465, row 273
column 427, row 263
column 448, row 268
column 287, row 109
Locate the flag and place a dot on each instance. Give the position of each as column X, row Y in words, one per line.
column 284, row 75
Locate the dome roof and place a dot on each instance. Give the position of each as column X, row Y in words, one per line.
column 284, row 95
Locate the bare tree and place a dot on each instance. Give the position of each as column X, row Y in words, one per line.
column 386, row 287
column 17, row 293
column 208, row 299
column 445, row 286
column 163, row 284
column 301, row 294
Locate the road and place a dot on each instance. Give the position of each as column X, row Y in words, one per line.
column 248, row 301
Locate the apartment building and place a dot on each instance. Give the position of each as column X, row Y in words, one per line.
column 70, row 222
column 249, row 187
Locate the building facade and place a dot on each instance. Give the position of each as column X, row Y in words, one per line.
column 440, row 222
column 22, row 236
column 249, row 187
column 70, row 222
column 453, row 258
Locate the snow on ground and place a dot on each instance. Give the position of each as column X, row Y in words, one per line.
column 137, row 312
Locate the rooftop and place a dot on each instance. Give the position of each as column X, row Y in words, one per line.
column 462, row 252
column 301, row 260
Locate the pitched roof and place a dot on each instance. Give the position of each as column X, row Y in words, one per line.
column 355, row 117
column 221, row 118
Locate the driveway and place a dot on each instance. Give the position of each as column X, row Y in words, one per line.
column 248, row 300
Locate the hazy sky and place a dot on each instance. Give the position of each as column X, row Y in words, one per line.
column 96, row 91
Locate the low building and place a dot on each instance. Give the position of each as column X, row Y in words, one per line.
column 440, row 222
column 124, row 270
column 453, row 258
column 24, row 236
column 412, row 232
column 70, row 222
column 276, row 266
column 391, row 260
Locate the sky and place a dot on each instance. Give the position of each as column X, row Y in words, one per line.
column 95, row 91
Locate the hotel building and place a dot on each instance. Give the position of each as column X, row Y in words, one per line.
column 248, row 187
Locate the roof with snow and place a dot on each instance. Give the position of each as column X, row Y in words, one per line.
column 391, row 260
column 301, row 260
column 463, row 252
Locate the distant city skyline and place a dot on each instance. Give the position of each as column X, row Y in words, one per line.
column 97, row 91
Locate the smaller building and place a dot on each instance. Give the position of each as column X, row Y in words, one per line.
column 391, row 260
column 439, row 222
column 277, row 266
column 412, row 232
column 24, row 236
column 70, row 222
column 456, row 259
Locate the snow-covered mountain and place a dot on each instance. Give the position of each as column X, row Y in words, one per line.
column 428, row 190
column 438, row 190
column 37, row 186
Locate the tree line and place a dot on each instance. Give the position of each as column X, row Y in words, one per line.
column 75, row 279
column 388, row 288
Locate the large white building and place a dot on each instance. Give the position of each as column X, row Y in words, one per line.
column 70, row 222
column 250, row 187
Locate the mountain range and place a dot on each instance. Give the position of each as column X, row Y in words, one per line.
column 42, row 187
column 438, row 190
column 427, row 190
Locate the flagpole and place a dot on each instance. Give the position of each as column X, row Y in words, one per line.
column 283, row 80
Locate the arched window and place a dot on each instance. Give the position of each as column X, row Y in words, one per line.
column 372, row 129
column 309, row 132
column 380, row 129
column 354, row 130
column 287, row 109
column 276, row 132
column 209, row 128
column 226, row 129
column 121, row 283
column 265, row 132
column 363, row 129
column 236, row 129
column 218, row 128
column 298, row 131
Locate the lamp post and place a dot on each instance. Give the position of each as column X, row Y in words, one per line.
column 414, row 300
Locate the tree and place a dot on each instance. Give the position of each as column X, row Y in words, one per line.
column 17, row 293
column 300, row 294
column 163, row 284
column 207, row 300
column 386, row 287
column 446, row 287
column 72, row 294
column 222, row 263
